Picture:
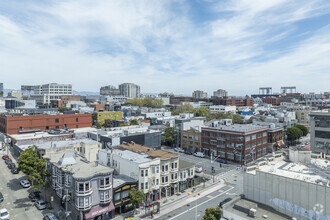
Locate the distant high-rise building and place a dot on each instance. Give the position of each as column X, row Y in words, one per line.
column 220, row 93
column 130, row 90
column 50, row 92
column 109, row 90
column 1, row 89
column 199, row 94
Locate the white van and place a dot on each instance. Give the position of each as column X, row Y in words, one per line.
column 199, row 154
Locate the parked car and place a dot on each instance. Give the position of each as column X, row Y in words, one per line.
column 14, row 170
column 34, row 196
column 25, row 183
column 177, row 149
column 8, row 161
column 40, row 204
column 222, row 161
column 11, row 166
column 50, row 216
column 4, row 214
column 188, row 152
column 199, row 154
column 5, row 157
column 1, row 197
column 198, row 169
column 224, row 202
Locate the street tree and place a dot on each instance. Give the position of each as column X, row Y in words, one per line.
column 134, row 122
column 293, row 133
column 303, row 129
column 168, row 136
column 202, row 112
column 212, row 214
column 187, row 108
column 33, row 166
column 136, row 196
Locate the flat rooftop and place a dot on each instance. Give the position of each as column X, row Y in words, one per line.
column 240, row 127
column 119, row 180
column 76, row 165
column 242, row 207
column 132, row 156
column 148, row 150
column 66, row 143
column 35, row 135
column 315, row 172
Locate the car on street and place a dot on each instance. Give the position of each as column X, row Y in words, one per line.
column 188, row 152
column 50, row 216
column 4, row 214
column 222, row 161
column 198, row 169
column 34, row 196
column 199, row 154
column 1, row 197
column 8, row 161
column 25, row 183
column 177, row 149
column 11, row 166
column 224, row 202
column 5, row 157
column 14, row 170
column 40, row 204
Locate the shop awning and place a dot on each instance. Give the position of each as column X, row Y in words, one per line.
column 99, row 211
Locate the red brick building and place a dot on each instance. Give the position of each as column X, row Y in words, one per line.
column 272, row 100
column 233, row 101
column 13, row 124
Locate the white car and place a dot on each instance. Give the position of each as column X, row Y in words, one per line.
column 4, row 214
column 25, row 183
column 177, row 149
column 199, row 154
column 198, row 169
column 40, row 204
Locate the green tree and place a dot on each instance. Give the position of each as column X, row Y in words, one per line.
column 202, row 112
column 183, row 109
column 135, row 102
column 303, row 129
column 34, row 167
column 39, row 103
column 134, row 122
column 212, row 214
column 136, row 196
column 157, row 103
column 98, row 125
column 60, row 109
column 293, row 133
column 168, row 136
column 147, row 102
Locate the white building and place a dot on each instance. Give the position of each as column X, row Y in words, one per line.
column 222, row 108
column 320, row 133
column 199, row 94
column 220, row 93
column 49, row 92
column 130, row 90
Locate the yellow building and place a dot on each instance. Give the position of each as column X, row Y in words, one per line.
column 102, row 116
column 302, row 116
column 191, row 140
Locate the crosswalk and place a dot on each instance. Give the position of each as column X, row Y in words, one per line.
column 229, row 175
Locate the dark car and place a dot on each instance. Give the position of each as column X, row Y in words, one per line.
column 34, row 196
column 8, row 161
column 5, row 157
column 1, row 197
column 11, row 165
column 14, row 170
column 188, row 152
column 224, row 202
column 50, row 216
column 222, row 161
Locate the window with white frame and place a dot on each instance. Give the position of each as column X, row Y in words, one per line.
column 146, row 185
column 142, row 185
column 157, row 181
column 157, row 169
column 153, row 169
column 146, row 172
column 142, row 173
column 104, row 182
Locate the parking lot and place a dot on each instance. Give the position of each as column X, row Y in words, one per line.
column 16, row 199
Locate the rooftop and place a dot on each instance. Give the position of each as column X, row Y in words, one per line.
column 70, row 142
column 77, row 165
column 318, row 171
column 132, row 156
column 242, row 207
column 153, row 153
column 119, row 180
column 184, row 164
column 35, row 135
column 240, row 127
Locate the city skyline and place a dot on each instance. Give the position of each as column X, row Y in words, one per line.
column 175, row 46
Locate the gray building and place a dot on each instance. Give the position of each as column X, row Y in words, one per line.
column 109, row 90
column 184, row 124
column 199, row 94
column 320, row 133
column 130, row 90
column 1, row 89
column 220, row 93
column 85, row 187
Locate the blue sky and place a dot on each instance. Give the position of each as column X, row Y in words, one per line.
column 176, row 46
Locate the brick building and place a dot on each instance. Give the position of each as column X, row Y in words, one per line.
column 238, row 143
column 16, row 124
column 272, row 100
column 191, row 140
column 233, row 101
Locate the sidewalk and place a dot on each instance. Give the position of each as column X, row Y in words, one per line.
column 167, row 204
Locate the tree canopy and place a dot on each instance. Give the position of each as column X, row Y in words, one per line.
column 303, row 129
column 293, row 133
column 136, row 196
column 134, row 122
column 35, row 168
column 146, row 102
column 168, row 136
column 212, row 214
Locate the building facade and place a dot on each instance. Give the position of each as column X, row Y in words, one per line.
column 199, row 94
column 184, row 124
column 109, row 90
column 237, row 143
column 233, row 101
column 320, row 133
column 50, row 92
column 191, row 140
column 13, row 124
column 220, row 93
column 100, row 117
column 130, row 90
column 222, row 108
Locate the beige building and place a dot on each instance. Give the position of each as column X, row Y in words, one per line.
column 191, row 140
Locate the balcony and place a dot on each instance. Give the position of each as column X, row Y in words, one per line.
column 84, row 193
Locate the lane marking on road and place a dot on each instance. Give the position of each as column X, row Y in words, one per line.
column 201, row 203
column 209, row 196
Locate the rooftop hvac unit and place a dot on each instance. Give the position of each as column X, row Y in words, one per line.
column 252, row 212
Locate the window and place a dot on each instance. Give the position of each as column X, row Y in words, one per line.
column 153, row 170
column 57, row 120
column 125, row 194
column 81, row 187
column 20, row 128
column 81, row 202
column 176, row 165
column 76, row 119
column 142, row 184
column 146, row 172
column 157, row 181
column 146, row 185
column 157, row 169
column 87, row 201
column 56, row 127
column 116, row 197
column 142, row 173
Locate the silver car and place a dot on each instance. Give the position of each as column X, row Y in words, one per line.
column 40, row 204
column 25, row 183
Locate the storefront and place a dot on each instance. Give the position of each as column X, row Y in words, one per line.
column 100, row 213
column 122, row 184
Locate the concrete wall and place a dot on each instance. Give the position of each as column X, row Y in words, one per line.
column 289, row 196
